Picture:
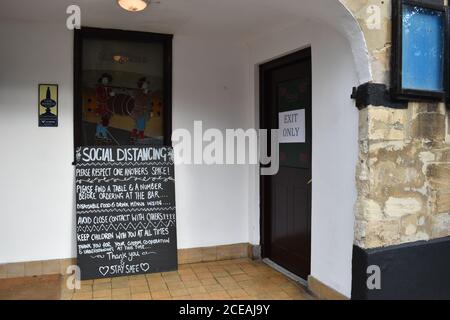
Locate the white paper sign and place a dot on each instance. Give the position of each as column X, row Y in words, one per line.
column 292, row 126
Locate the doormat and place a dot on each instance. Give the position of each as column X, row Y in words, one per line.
column 31, row 288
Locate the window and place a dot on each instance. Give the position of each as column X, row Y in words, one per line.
column 419, row 50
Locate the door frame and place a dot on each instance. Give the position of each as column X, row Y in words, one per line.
column 127, row 36
column 265, row 190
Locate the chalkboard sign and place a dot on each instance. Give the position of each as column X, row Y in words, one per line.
column 125, row 204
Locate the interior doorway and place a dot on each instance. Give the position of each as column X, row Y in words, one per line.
column 286, row 101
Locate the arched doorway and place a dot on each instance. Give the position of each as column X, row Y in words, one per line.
column 339, row 62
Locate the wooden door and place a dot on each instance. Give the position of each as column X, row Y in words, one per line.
column 286, row 197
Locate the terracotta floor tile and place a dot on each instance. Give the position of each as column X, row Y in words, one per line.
column 183, row 298
column 270, row 287
column 121, row 291
column 102, row 294
column 247, row 283
column 66, row 296
column 230, row 286
column 156, row 281
column 174, row 278
column 137, row 282
column 193, row 284
column 178, row 293
column 186, row 272
column 161, row 295
column 104, row 280
column 82, row 296
column 205, row 275
column 227, row 279
column 197, row 290
column 220, row 295
column 237, row 293
column 214, row 288
column 294, row 290
column 252, row 291
column 201, row 296
column 120, row 285
column 141, row 296
column 158, row 287
column 264, row 296
column 154, row 277
column 101, row 286
column 280, row 295
column 84, row 288
column 169, row 274
column 208, row 282
column 298, row 296
column 241, row 277
column 199, row 269
column 175, row 285
column 188, row 277
column 141, row 289
column 235, row 271
column 219, row 274
column 122, row 297
column 215, row 268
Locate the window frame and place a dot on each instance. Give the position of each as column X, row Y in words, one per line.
column 129, row 36
column 398, row 91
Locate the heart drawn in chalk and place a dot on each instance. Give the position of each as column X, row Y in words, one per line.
column 145, row 267
column 103, row 270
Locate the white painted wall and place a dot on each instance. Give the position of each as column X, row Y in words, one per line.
column 209, row 84
column 36, row 175
column 335, row 149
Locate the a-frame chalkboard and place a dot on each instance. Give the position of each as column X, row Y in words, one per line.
column 125, row 211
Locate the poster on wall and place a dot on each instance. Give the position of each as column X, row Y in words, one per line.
column 48, row 105
column 122, row 90
column 292, row 126
column 125, row 211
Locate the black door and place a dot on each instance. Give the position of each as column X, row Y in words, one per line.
column 285, row 86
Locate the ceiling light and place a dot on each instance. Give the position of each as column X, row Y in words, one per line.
column 133, row 5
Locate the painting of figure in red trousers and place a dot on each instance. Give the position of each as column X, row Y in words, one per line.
column 142, row 109
column 103, row 94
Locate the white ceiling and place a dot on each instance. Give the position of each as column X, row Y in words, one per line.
column 240, row 19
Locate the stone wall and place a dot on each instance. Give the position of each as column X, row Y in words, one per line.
column 403, row 174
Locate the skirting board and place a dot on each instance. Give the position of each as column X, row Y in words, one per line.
column 185, row 256
column 322, row 291
column 419, row 270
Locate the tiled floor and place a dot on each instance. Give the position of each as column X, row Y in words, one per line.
column 31, row 288
column 234, row 279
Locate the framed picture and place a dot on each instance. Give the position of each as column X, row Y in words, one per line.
column 123, row 90
column 419, row 50
column 48, row 105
